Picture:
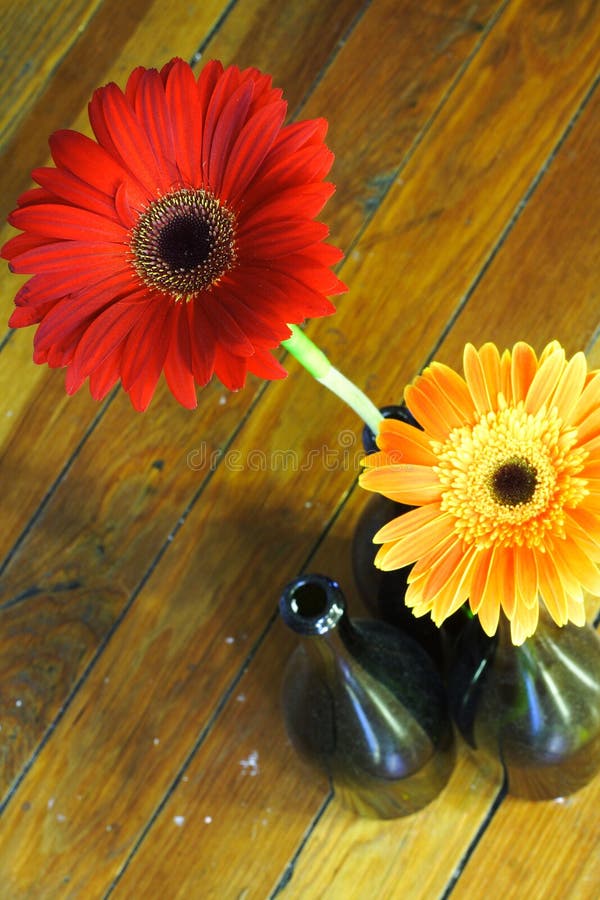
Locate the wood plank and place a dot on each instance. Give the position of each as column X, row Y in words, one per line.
column 446, row 210
column 413, row 857
column 547, row 268
column 34, row 42
column 556, row 854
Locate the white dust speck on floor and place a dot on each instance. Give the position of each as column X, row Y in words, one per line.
column 18, row 703
column 250, row 765
column 208, row 819
column 60, row 817
column 241, row 698
column 230, row 640
column 156, row 742
column 308, row 504
column 185, row 778
column 51, row 802
column 179, row 820
column 222, row 400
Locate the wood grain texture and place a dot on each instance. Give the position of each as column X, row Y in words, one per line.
column 35, row 39
column 555, row 855
column 138, row 639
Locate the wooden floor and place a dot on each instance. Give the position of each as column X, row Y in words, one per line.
column 142, row 752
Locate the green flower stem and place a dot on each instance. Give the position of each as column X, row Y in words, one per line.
column 316, row 363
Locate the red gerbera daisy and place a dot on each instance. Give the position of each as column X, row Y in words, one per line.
column 181, row 240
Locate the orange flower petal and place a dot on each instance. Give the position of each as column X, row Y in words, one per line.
column 425, row 410
column 573, row 558
column 505, row 377
column 429, row 389
column 409, row 522
column 523, row 368
column 444, row 568
column 576, row 609
column 413, row 485
column 588, row 401
column 426, row 562
column 570, row 386
column 490, row 362
column 589, row 427
column 491, row 596
column 545, row 381
column 475, row 378
column 479, row 580
column 551, row 589
column 524, row 622
column 405, row 551
column 399, row 437
column 526, row 577
column 455, row 390
column 583, row 528
column 454, row 576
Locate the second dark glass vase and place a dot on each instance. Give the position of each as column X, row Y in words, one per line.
column 364, row 704
column 535, row 707
column 383, row 592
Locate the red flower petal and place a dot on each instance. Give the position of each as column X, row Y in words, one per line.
column 178, row 361
column 230, row 370
column 225, row 329
column 68, row 223
column 265, row 365
column 307, row 200
column 68, row 188
column 280, row 238
column 90, row 162
column 61, row 256
column 230, row 122
column 69, row 316
column 153, row 113
column 106, row 376
column 21, row 243
column 185, row 114
column 118, row 130
column 146, row 346
column 250, row 149
column 104, row 334
column 202, row 343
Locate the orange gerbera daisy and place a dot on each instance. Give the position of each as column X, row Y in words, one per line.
column 182, row 240
column 505, row 478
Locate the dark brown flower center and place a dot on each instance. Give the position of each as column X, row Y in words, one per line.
column 184, row 242
column 514, row 482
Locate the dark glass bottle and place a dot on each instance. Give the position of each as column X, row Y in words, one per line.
column 364, row 703
column 383, row 592
column 536, row 707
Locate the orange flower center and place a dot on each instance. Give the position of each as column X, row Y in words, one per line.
column 508, row 479
column 184, row 243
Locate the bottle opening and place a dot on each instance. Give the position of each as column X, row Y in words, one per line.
column 312, row 604
column 309, row 600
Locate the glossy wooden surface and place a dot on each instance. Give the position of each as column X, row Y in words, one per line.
column 142, row 752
